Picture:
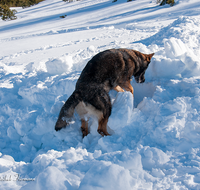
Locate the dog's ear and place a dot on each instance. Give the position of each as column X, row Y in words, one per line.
column 149, row 56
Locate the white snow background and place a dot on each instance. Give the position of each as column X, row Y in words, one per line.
column 155, row 141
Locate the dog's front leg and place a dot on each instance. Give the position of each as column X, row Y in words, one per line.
column 127, row 86
column 119, row 88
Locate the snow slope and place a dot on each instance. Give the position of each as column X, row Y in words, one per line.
column 155, row 141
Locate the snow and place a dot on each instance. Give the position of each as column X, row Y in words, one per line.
column 155, row 136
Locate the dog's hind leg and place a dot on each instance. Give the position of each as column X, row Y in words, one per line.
column 102, row 128
column 84, row 127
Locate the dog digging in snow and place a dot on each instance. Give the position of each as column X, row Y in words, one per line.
column 110, row 69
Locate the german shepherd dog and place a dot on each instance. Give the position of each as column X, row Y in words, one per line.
column 110, row 69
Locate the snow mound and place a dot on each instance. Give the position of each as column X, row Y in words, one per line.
column 122, row 108
column 154, row 141
column 59, row 66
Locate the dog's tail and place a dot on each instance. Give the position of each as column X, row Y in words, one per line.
column 67, row 111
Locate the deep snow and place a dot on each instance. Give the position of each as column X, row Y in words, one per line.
column 155, row 136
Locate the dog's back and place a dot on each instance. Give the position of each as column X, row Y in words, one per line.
column 111, row 67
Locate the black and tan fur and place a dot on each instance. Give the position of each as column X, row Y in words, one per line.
column 110, row 69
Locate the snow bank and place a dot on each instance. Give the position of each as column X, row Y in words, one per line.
column 59, row 66
column 122, row 108
column 154, row 141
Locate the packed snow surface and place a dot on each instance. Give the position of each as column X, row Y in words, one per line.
column 155, row 136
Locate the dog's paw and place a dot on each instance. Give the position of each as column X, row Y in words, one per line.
column 84, row 132
column 103, row 133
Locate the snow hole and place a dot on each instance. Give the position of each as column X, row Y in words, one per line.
column 142, row 90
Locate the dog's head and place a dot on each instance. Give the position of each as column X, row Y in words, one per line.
column 144, row 60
